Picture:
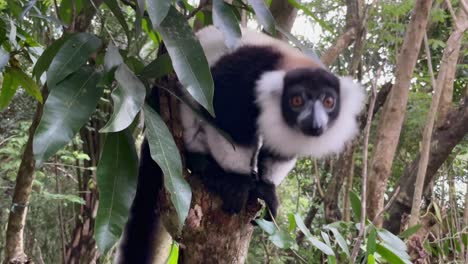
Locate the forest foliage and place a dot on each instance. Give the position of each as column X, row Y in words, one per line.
column 75, row 77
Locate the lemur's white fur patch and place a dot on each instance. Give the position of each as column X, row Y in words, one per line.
column 274, row 129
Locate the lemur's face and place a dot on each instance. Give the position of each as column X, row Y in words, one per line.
column 311, row 100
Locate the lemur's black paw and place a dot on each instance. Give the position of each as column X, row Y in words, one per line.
column 234, row 202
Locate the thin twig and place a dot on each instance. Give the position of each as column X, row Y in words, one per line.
column 370, row 111
column 389, row 203
column 57, row 10
column 196, row 10
column 317, row 180
column 67, row 165
column 103, row 22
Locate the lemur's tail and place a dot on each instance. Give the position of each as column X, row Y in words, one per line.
column 138, row 241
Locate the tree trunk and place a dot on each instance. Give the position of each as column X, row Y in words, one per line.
column 393, row 115
column 14, row 246
column 444, row 139
column 343, row 169
column 209, row 234
column 212, row 236
column 449, row 76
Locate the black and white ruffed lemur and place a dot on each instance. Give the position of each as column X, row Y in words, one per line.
column 266, row 90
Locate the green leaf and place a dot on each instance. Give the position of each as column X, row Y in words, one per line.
column 225, row 20
column 42, row 64
column 340, row 240
column 117, row 11
column 410, row 231
column 112, row 59
column 117, row 179
column 188, row 59
column 264, row 15
column 71, row 56
column 157, row 10
column 158, row 68
column 371, row 241
column 370, row 259
column 266, row 226
column 128, row 98
column 4, row 58
column 66, row 110
column 292, row 223
column 306, row 11
column 173, row 254
column 9, row 87
column 313, row 240
column 392, row 240
column 66, row 197
column 355, row 205
column 326, row 238
column 390, row 256
column 164, row 151
column 282, row 239
column 66, row 9
column 27, row 83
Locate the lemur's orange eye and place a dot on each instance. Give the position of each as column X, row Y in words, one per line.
column 328, row 102
column 296, row 101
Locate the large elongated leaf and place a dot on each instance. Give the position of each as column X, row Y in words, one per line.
column 26, row 83
column 390, row 255
column 128, row 98
column 117, row 11
column 225, row 20
column 263, row 15
column 157, row 10
column 313, row 240
column 117, row 179
column 164, row 151
column 9, row 87
column 71, row 56
column 158, row 68
column 266, row 226
column 393, row 243
column 283, row 240
column 188, row 59
column 47, row 56
column 339, row 239
column 66, row 110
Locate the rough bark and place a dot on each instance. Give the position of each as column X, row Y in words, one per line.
column 284, row 14
column 444, row 139
column 343, row 170
column 393, row 115
column 14, row 246
column 209, row 234
column 212, row 236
